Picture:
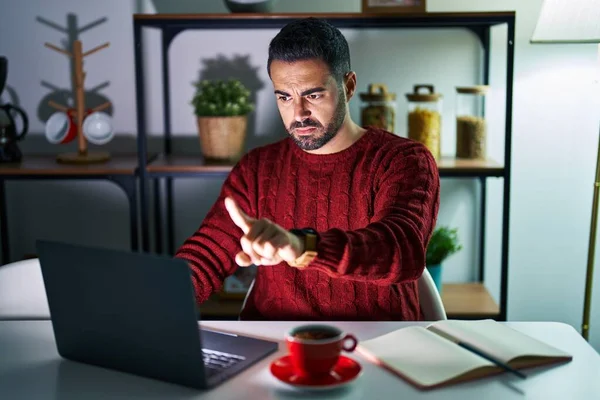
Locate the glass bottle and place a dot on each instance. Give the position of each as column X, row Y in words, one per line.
column 425, row 118
column 379, row 108
column 471, row 126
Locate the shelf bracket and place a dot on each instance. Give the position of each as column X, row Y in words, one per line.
column 169, row 33
column 482, row 33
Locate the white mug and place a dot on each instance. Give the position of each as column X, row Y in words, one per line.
column 98, row 128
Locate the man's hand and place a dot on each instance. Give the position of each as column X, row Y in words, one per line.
column 264, row 242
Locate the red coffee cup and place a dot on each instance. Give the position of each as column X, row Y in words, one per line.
column 61, row 128
column 315, row 349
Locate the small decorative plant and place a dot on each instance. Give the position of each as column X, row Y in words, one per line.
column 221, row 98
column 221, row 109
column 443, row 243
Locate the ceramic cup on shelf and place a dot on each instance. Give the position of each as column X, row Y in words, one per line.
column 316, row 348
column 61, row 128
column 98, row 128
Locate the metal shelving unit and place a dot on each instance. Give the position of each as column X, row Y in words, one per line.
column 169, row 166
column 120, row 170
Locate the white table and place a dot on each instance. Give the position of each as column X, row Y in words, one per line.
column 30, row 368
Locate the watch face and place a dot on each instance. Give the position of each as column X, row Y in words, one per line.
column 303, row 231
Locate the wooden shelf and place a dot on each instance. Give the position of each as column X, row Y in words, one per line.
column 457, row 166
column 355, row 15
column 196, row 165
column 182, row 164
column 468, row 301
column 461, row 301
column 46, row 165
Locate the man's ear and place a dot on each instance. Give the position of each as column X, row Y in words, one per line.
column 350, row 84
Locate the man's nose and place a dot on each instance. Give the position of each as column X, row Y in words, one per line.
column 301, row 112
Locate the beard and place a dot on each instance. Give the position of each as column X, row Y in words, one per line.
column 321, row 135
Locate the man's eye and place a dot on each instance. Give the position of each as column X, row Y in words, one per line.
column 314, row 96
column 283, row 98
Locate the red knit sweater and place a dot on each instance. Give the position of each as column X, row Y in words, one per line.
column 374, row 206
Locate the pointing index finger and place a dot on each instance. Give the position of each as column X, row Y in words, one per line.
column 237, row 215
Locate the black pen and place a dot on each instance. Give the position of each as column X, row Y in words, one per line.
column 488, row 357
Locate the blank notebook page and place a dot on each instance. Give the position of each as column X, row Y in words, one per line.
column 422, row 356
column 496, row 339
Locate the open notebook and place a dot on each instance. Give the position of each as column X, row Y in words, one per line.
column 429, row 357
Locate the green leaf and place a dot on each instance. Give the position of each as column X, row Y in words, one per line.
column 443, row 243
column 221, row 97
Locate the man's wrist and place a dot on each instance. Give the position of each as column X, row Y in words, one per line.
column 301, row 244
column 307, row 246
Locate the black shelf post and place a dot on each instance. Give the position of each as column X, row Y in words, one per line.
column 510, row 57
column 485, row 41
column 4, row 224
column 167, row 37
column 141, row 132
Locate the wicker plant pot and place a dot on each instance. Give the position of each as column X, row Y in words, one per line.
column 222, row 138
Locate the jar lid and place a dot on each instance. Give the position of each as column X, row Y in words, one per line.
column 421, row 97
column 478, row 89
column 378, row 92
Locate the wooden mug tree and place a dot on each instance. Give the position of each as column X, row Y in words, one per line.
column 82, row 156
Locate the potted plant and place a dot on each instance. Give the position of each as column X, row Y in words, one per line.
column 443, row 243
column 222, row 108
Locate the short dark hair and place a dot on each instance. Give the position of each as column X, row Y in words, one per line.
column 311, row 38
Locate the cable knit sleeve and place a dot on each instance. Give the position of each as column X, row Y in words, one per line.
column 391, row 249
column 210, row 251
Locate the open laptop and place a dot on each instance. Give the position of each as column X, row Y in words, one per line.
column 136, row 313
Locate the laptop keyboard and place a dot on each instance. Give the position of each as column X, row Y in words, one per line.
column 217, row 361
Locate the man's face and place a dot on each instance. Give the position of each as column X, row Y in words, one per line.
column 311, row 105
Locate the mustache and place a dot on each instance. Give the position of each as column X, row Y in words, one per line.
column 307, row 123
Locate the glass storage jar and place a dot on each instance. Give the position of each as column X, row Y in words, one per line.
column 471, row 126
column 425, row 118
column 379, row 108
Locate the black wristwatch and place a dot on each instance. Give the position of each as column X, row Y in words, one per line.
column 309, row 237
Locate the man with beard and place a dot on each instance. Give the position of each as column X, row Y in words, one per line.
column 336, row 217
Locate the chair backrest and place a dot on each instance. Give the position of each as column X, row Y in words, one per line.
column 247, row 295
column 430, row 299
column 22, row 291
